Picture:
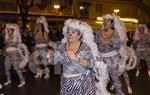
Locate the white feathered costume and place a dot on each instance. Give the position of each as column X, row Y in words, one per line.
column 20, row 46
column 16, row 53
column 100, row 69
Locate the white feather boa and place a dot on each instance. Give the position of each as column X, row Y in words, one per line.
column 129, row 59
column 24, row 55
column 125, row 51
column 129, row 56
column 102, row 76
column 132, row 59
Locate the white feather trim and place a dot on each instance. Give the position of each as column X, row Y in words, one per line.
column 101, row 74
column 24, row 55
column 132, row 59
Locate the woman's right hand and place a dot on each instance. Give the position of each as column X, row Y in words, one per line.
column 83, row 61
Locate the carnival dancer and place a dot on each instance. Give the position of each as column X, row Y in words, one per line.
column 77, row 54
column 141, row 45
column 113, row 49
column 41, row 48
column 16, row 53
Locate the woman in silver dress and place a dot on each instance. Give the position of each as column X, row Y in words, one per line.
column 77, row 54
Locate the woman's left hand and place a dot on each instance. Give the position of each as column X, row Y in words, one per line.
column 83, row 62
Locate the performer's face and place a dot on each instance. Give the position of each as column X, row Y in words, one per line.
column 10, row 32
column 107, row 23
column 39, row 27
column 73, row 35
column 141, row 29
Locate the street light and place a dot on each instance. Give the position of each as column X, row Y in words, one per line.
column 81, row 7
column 116, row 11
column 56, row 7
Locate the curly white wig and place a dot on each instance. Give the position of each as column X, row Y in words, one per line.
column 87, row 37
column 42, row 20
column 16, row 32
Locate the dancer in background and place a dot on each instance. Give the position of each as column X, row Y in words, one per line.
column 141, row 45
column 113, row 50
column 41, row 47
column 77, row 54
column 16, row 53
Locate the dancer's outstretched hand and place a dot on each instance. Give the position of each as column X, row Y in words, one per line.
column 50, row 54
